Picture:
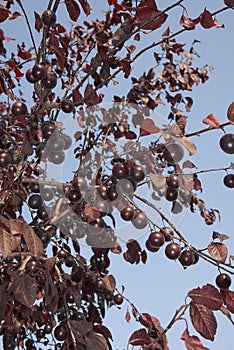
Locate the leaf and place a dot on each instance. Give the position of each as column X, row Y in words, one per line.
column 7, row 241
column 228, row 299
column 149, row 17
column 14, row 15
column 128, row 316
column 192, row 342
column 38, row 22
column 110, row 282
column 187, row 143
column 103, row 331
column 85, row 6
column 226, row 312
column 158, row 181
column 220, row 236
column 32, row 241
column 139, row 338
column 95, row 341
column 91, row 97
column 218, row 250
column 208, row 296
column 203, row 320
column 51, row 293
column 212, row 121
column 230, row 113
column 72, row 9
column 25, row 289
column 4, row 13
column 148, row 127
column 207, row 21
column 189, row 23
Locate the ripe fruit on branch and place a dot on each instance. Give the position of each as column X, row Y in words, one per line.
column 47, row 194
column 229, row 3
column 173, row 153
column 47, row 130
column 139, row 220
column 118, row 299
column 5, row 159
column 127, row 186
column 173, row 251
column 227, row 143
column 228, row 180
column 103, row 192
column 48, row 18
column 18, row 108
column 30, row 77
column 223, row 281
column 67, row 106
column 187, row 258
column 56, row 144
column 137, row 173
column 43, row 235
column 74, row 195
column 156, row 239
column 60, row 332
column 171, row 195
column 150, row 247
column 50, row 81
column 56, row 158
column 127, row 213
column 120, row 170
column 67, row 141
column 39, row 71
column 35, row 201
column 173, row 181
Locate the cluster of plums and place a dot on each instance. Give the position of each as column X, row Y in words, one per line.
column 227, row 145
column 54, row 144
column 173, row 250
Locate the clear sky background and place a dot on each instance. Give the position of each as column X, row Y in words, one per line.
column 160, row 286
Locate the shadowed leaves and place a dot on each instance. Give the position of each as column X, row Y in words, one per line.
column 139, row 338
column 51, row 293
column 207, row 21
column 25, row 289
column 228, row 299
column 33, row 242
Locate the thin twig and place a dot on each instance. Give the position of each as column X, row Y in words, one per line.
column 28, row 24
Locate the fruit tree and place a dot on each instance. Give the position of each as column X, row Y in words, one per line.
column 103, row 175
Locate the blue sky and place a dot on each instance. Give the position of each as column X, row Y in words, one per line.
column 160, row 286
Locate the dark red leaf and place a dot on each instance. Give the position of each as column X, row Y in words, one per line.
column 51, row 293
column 144, row 256
column 14, row 15
column 203, row 320
column 192, row 342
column 76, row 96
column 3, row 304
column 218, row 250
column 188, row 164
column 220, row 236
column 85, row 6
column 208, row 296
column 230, row 113
column 207, row 21
column 229, row 3
column 104, row 331
column 91, row 97
column 148, row 16
column 128, row 316
column 211, row 120
column 125, row 66
column 72, row 9
column 139, row 338
column 25, row 289
column 189, row 23
column 228, row 299
column 4, row 13
column 33, row 242
column 25, row 55
column 148, row 127
column 38, row 22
